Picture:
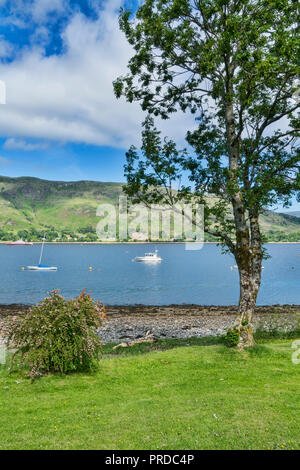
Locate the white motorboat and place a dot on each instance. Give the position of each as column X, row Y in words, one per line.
column 42, row 267
column 151, row 257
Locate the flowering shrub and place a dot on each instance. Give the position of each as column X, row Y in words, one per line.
column 57, row 335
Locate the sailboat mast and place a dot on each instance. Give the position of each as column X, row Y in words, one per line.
column 42, row 250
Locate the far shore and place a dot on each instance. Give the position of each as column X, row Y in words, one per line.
column 139, row 243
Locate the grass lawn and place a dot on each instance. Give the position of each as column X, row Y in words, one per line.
column 167, row 397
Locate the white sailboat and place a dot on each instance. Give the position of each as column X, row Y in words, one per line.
column 42, row 267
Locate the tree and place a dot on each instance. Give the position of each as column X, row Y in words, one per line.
column 234, row 64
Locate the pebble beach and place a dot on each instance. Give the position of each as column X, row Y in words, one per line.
column 128, row 323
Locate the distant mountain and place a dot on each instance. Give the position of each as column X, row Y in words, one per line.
column 292, row 213
column 67, row 210
column 39, row 205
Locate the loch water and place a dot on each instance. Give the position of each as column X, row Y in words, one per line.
column 109, row 272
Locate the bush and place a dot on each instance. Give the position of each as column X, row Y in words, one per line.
column 57, row 335
column 232, row 337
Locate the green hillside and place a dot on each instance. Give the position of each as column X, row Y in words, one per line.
column 64, row 211
column 294, row 213
column 61, row 209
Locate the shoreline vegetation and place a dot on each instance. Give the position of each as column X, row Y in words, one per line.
column 135, row 308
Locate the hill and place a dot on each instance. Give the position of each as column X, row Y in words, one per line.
column 293, row 213
column 67, row 210
column 62, row 208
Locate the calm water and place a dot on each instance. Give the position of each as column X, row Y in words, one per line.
column 201, row 277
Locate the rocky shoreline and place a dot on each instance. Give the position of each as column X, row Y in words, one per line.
column 128, row 323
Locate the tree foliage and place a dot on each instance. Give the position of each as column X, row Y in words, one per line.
column 205, row 56
column 234, row 64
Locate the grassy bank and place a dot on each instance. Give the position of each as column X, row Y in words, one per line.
column 162, row 396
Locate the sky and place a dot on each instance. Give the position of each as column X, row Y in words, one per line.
column 61, row 120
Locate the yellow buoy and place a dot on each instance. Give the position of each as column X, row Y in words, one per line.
column 231, row 268
column 90, row 268
column 22, row 269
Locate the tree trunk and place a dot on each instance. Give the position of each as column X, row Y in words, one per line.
column 249, row 262
column 246, row 310
column 248, row 241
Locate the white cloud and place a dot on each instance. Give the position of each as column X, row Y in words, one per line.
column 16, row 144
column 69, row 97
column 41, row 8
column 22, row 12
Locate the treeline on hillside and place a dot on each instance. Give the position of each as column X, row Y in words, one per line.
column 88, row 234
column 278, row 236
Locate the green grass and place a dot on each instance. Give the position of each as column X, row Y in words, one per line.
column 195, row 397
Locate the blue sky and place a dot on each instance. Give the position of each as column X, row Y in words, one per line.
column 61, row 121
column 58, row 59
